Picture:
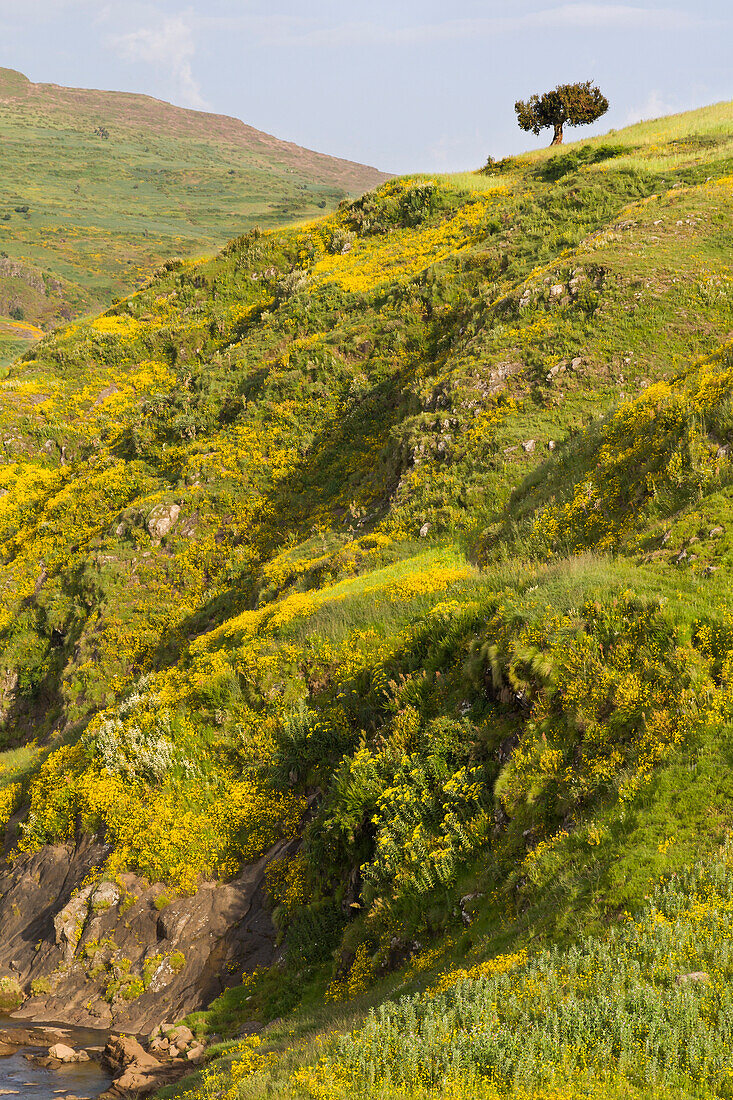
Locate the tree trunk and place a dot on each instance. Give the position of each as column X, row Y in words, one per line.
column 557, row 138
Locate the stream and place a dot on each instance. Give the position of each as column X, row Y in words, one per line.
column 23, row 1079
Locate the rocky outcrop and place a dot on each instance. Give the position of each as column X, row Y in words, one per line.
column 125, row 954
column 162, row 519
column 135, row 1071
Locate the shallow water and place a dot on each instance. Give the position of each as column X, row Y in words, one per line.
column 21, row 1078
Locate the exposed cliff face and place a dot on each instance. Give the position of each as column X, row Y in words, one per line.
column 119, row 954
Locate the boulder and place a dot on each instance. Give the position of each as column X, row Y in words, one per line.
column 62, row 1053
column 122, row 1051
column 181, row 1034
column 32, row 1036
column 224, row 929
column 162, row 519
column 134, row 1080
column 695, row 977
column 160, row 1031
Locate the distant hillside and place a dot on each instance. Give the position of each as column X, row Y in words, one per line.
column 96, row 188
column 374, row 578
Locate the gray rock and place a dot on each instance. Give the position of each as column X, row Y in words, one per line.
column 69, row 922
column 162, row 519
column 529, row 445
column 105, row 895
column 105, row 394
column 695, row 977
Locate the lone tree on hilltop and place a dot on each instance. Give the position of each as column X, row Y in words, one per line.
column 567, row 105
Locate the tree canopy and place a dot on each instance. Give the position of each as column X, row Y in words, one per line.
column 567, row 105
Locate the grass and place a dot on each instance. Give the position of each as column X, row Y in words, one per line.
column 15, row 337
column 17, row 764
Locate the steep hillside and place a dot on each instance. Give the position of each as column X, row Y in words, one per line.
column 100, row 187
column 376, row 573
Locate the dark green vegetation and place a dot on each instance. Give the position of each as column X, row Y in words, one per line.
column 407, row 533
column 99, row 187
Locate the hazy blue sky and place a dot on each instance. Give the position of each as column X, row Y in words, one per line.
column 401, row 84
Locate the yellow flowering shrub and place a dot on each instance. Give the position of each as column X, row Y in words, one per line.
column 9, row 802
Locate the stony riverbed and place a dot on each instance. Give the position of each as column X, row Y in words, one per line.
column 24, row 1078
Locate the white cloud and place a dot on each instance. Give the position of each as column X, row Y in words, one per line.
column 616, row 16
column 169, row 47
column 582, row 16
column 655, row 106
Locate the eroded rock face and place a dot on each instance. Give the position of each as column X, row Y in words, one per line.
column 69, row 922
column 119, row 954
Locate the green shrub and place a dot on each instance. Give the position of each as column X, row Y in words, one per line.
column 11, row 995
column 177, row 961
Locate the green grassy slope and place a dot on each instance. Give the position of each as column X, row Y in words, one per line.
column 84, row 217
column 407, row 531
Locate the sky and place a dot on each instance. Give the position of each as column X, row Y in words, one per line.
column 404, row 85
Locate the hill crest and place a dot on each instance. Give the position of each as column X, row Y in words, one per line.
column 160, row 116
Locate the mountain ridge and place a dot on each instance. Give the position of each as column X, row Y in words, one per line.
column 164, row 114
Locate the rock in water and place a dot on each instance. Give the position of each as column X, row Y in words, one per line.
column 62, row 1053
